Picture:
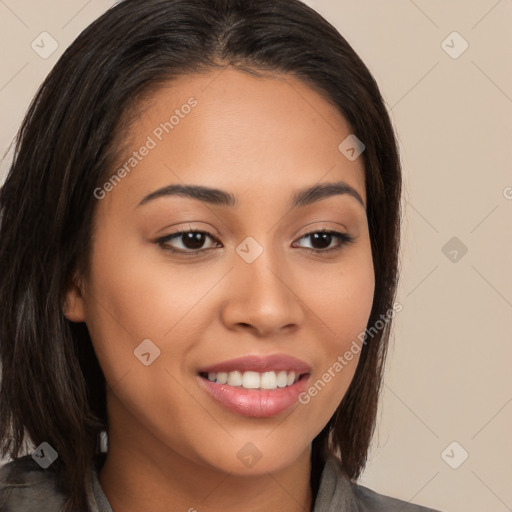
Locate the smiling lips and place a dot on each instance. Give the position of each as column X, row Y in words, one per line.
column 256, row 386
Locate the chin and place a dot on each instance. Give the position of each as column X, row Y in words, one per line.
column 247, row 458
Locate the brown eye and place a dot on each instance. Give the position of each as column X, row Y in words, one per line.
column 322, row 240
column 191, row 241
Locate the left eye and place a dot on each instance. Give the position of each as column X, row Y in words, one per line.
column 193, row 241
column 324, row 239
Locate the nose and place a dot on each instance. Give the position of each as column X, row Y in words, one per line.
column 261, row 298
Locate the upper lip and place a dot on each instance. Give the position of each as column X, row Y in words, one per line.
column 274, row 362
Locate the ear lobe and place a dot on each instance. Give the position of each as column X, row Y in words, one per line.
column 74, row 307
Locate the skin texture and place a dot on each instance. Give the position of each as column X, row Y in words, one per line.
column 171, row 446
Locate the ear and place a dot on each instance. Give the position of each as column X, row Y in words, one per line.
column 74, row 306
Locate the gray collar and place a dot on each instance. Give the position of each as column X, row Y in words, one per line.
column 335, row 492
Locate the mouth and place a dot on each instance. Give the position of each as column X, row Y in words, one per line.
column 255, row 385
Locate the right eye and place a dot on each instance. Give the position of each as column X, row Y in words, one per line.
column 191, row 241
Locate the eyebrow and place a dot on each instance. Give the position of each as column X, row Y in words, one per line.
column 301, row 198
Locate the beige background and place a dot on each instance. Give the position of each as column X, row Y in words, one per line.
column 448, row 376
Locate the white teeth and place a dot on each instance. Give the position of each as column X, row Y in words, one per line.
column 268, row 380
column 251, row 380
column 281, row 379
column 234, row 379
column 254, row 380
column 222, row 377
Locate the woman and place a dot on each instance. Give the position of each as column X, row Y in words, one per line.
column 200, row 229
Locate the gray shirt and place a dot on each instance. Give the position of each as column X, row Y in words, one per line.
column 26, row 487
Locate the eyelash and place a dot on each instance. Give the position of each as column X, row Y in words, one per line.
column 343, row 240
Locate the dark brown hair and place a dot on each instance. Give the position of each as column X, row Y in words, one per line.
column 52, row 387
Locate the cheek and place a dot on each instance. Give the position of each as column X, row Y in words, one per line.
column 131, row 298
column 136, row 294
column 341, row 296
column 341, row 304
column 133, row 291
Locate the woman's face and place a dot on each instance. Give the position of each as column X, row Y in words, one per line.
column 259, row 280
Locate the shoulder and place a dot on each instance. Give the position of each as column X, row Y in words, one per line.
column 27, row 487
column 337, row 492
column 370, row 501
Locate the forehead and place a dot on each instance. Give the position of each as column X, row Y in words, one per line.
column 235, row 131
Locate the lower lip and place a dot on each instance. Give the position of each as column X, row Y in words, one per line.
column 257, row 403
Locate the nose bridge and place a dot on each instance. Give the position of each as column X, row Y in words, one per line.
column 260, row 295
